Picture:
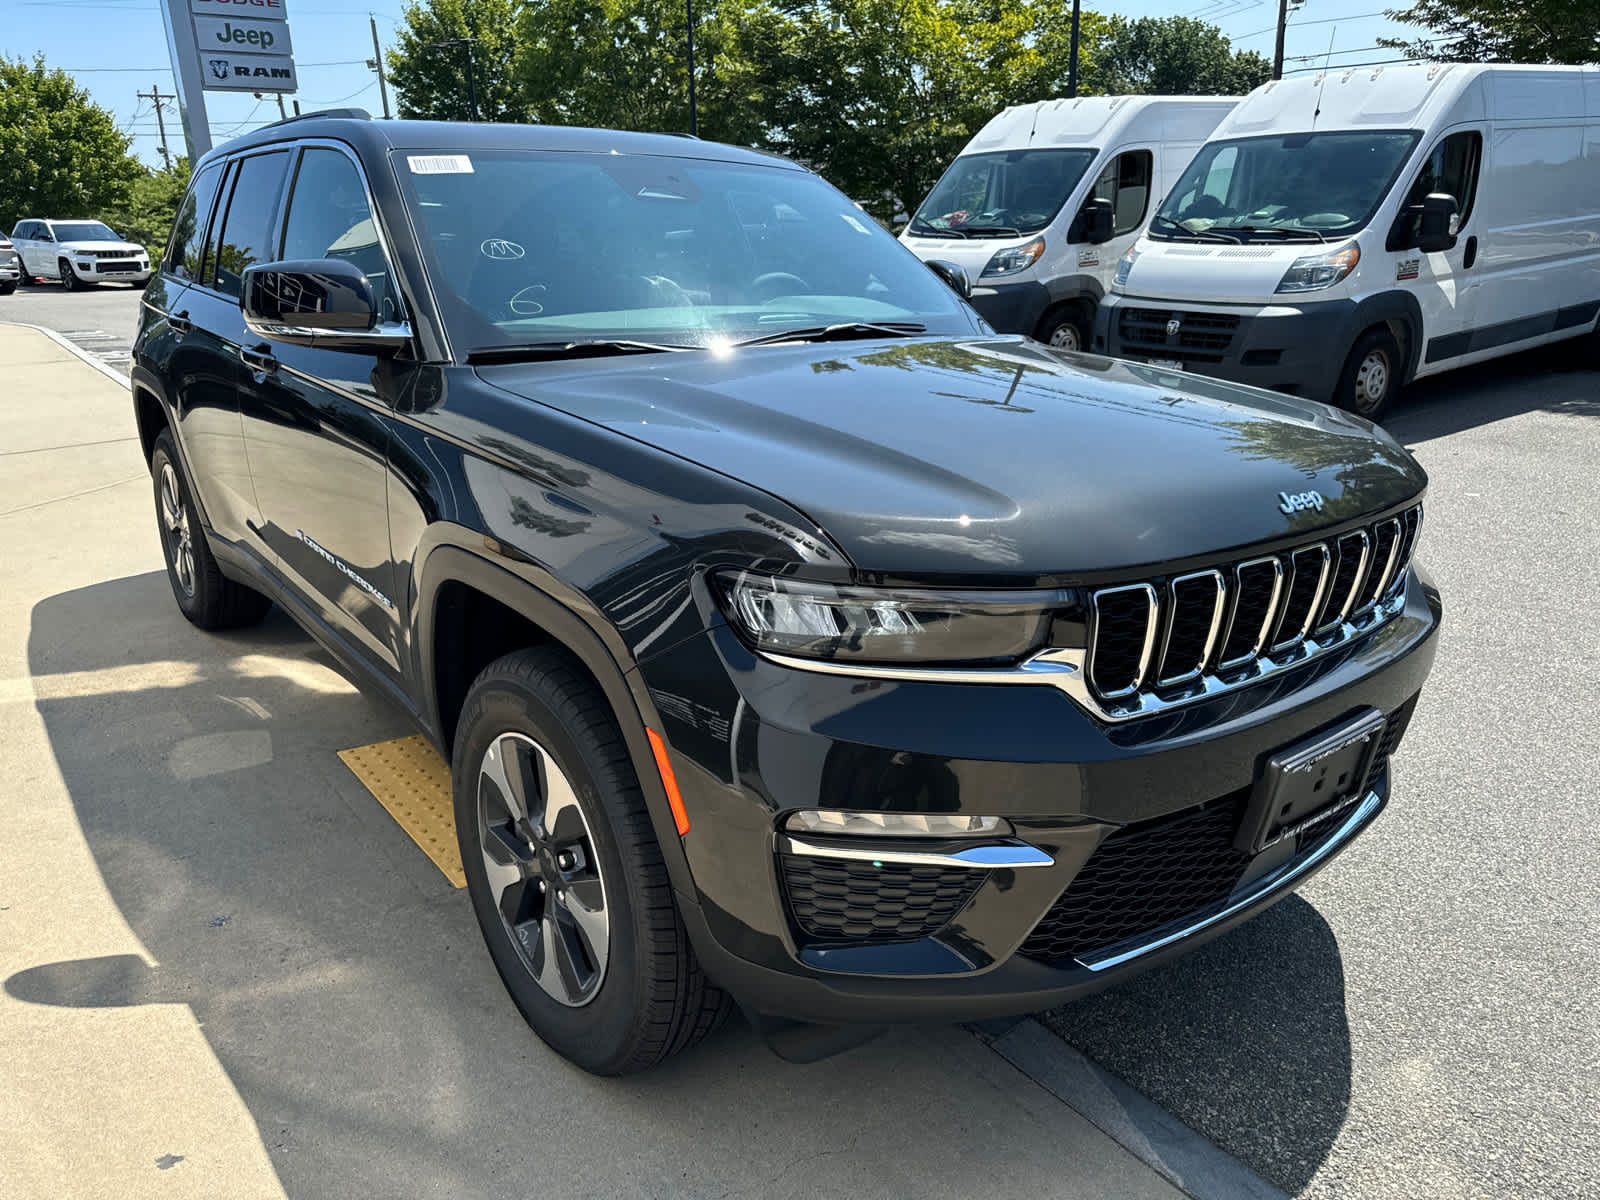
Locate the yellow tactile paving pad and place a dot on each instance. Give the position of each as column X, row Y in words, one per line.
column 410, row 780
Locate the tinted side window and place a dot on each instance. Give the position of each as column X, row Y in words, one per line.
column 329, row 218
column 1452, row 168
column 1126, row 183
column 183, row 252
column 248, row 228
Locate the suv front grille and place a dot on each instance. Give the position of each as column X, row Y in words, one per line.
column 1152, row 874
column 840, row 900
column 1201, row 336
column 1220, row 627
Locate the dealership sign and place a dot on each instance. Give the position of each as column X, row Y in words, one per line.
column 243, row 45
column 225, row 35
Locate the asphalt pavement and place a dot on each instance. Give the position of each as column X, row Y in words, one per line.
column 101, row 320
column 1423, row 1019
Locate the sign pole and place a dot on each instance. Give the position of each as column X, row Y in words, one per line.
column 186, row 70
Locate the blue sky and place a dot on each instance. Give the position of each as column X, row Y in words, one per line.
column 116, row 48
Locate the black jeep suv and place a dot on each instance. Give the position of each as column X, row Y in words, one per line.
column 794, row 640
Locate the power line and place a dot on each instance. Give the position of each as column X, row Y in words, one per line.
column 1324, row 21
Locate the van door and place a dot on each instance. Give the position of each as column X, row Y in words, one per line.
column 1444, row 282
column 1126, row 182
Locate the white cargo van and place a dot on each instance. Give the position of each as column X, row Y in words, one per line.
column 1344, row 233
column 1043, row 201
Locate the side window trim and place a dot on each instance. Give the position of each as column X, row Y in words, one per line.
column 397, row 293
column 220, row 212
column 202, row 222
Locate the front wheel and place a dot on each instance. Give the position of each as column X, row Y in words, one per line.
column 7, row 288
column 69, row 278
column 565, row 874
column 1065, row 329
column 1371, row 376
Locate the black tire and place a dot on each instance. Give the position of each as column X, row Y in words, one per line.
column 7, row 288
column 646, row 996
column 1370, row 381
column 69, row 278
column 1066, row 327
column 204, row 594
column 141, row 285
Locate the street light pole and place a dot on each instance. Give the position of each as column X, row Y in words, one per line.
column 694, row 119
column 1072, row 66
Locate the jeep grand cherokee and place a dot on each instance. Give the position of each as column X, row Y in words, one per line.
column 794, row 640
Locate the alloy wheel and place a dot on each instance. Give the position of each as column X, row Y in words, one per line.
column 542, row 867
column 175, row 526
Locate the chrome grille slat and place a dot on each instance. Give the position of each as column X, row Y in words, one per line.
column 1155, row 644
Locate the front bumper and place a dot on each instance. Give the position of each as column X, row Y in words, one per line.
column 1293, row 347
column 752, row 741
column 110, row 270
column 1011, row 307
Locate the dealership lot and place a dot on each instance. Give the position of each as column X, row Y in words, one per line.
column 200, row 882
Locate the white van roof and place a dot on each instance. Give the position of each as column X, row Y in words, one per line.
column 1413, row 96
column 1103, row 122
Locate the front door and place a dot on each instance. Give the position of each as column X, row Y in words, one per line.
column 1444, row 281
column 315, row 428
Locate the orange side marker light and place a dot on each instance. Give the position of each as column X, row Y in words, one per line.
column 668, row 781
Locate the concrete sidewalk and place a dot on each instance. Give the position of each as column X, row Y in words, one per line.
column 226, row 971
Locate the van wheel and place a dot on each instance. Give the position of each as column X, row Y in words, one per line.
column 204, row 594
column 1371, row 376
column 1065, row 328
column 565, row 874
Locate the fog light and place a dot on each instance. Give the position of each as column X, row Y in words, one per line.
column 874, row 824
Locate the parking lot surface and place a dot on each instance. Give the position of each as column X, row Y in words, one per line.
column 101, row 320
column 1422, row 1019
column 217, row 948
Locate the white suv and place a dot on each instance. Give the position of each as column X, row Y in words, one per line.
column 78, row 253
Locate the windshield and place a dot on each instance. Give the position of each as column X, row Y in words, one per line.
column 1005, row 194
column 82, row 231
column 534, row 247
column 1305, row 186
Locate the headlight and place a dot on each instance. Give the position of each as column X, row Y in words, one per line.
column 887, row 625
column 888, row 824
column 1317, row 271
column 1126, row 264
column 1018, row 258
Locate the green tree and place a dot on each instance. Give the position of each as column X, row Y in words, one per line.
column 1530, row 31
column 152, row 205
column 430, row 80
column 61, row 155
column 1172, row 56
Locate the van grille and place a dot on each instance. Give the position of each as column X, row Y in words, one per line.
column 1232, row 623
column 1202, row 337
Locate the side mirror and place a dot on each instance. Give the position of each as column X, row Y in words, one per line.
column 325, row 302
column 954, row 275
column 1436, row 226
column 1097, row 220
column 46, row 236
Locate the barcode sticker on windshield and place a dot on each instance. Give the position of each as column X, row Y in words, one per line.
column 439, row 164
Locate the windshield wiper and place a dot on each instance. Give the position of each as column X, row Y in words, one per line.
column 1194, row 235
column 992, row 230
column 1288, row 231
column 927, row 230
column 540, row 351
column 843, row 332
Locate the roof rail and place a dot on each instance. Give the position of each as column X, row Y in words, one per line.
column 348, row 114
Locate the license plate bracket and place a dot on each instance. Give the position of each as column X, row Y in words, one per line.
column 1306, row 783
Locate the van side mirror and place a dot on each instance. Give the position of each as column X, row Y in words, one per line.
column 1096, row 221
column 953, row 274
column 1436, row 225
column 325, row 302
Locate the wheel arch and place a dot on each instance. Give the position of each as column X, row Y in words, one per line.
column 1399, row 313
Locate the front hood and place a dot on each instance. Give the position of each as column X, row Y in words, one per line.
column 1247, row 274
column 991, row 457
column 122, row 247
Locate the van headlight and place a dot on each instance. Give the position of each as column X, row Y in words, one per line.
column 1018, row 258
column 887, row 625
column 1125, row 264
column 1317, row 271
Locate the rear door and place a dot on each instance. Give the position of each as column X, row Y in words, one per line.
column 315, row 429
column 209, row 371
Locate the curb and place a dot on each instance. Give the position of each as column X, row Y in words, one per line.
column 1145, row 1130
column 75, row 349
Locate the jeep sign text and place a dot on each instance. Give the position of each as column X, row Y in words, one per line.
column 242, row 36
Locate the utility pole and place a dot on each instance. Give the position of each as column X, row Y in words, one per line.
column 472, row 93
column 1072, row 66
column 376, row 63
column 158, row 99
column 1277, row 49
column 694, row 116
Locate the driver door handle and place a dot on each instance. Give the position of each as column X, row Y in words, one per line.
column 179, row 323
column 260, row 358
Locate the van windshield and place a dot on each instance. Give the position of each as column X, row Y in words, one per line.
column 1302, row 187
column 1004, row 194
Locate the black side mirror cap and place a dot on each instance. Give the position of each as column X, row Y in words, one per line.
column 1437, row 222
column 953, row 274
column 317, row 302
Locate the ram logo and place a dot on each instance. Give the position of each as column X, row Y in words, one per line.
column 219, row 67
column 1173, row 326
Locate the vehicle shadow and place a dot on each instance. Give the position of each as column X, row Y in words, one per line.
column 343, row 987
column 1246, row 1041
column 1557, row 379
